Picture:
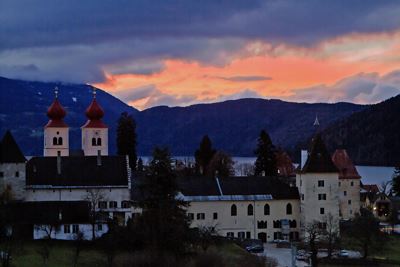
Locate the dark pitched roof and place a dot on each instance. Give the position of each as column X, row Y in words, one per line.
column 9, row 150
column 319, row 159
column 49, row 212
column 347, row 170
column 204, row 186
column 77, row 171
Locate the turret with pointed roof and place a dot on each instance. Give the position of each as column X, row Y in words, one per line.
column 9, row 150
column 319, row 160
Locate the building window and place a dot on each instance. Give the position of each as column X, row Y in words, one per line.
column 292, row 224
column 340, row 184
column 230, row 234
column 345, row 193
column 67, row 229
column 233, row 210
column 99, row 227
column 75, row 228
column 248, row 235
column 322, row 225
column 277, row 224
column 352, row 184
column 102, row 204
column 241, row 235
column 215, row 215
column 250, row 210
column 302, row 196
column 16, row 174
column 125, row 204
column 321, row 211
column 262, row 224
column 349, row 201
column 191, row 216
column 113, row 204
column 266, row 209
column 321, row 196
column 289, row 209
column 320, row 183
column 200, row 216
column 1, row 174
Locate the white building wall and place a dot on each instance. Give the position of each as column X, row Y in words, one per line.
column 225, row 223
column 51, row 150
column 88, row 134
column 14, row 175
column 42, row 231
column 349, row 195
column 311, row 205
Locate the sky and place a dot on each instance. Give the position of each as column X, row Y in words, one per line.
column 183, row 52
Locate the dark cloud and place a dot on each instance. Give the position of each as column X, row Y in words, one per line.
column 245, row 78
column 77, row 41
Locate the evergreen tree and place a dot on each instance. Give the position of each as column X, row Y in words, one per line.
column 396, row 182
column 266, row 157
column 140, row 167
column 126, row 138
column 203, row 155
column 163, row 221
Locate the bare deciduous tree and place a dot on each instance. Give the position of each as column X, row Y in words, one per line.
column 94, row 197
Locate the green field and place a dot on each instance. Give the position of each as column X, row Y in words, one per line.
column 62, row 254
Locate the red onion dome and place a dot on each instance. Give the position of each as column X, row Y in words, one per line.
column 56, row 113
column 94, row 111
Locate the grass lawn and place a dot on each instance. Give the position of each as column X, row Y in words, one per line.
column 62, row 255
column 391, row 250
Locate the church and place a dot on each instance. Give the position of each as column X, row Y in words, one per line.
column 64, row 193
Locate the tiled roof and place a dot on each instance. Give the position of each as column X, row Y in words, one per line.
column 284, row 164
column 236, row 186
column 347, row 170
column 77, row 171
column 9, row 150
column 319, row 160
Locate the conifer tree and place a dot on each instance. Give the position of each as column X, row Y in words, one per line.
column 266, row 157
column 396, row 181
column 126, row 138
column 163, row 221
column 203, row 155
column 140, row 167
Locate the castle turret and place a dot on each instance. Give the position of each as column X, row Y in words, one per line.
column 94, row 132
column 56, row 131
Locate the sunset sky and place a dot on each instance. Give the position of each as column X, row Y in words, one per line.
column 179, row 53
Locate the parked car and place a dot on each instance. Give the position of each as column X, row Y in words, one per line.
column 344, row 253
column 255, row 249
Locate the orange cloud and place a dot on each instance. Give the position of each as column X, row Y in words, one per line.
column 270, row 71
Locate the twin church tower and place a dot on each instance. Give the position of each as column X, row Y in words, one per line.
column 94, row 131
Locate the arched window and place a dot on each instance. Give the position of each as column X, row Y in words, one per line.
column 250, row 210
column 289, row 208
column 293, row 224
column 233, row 210
column 93, row 141
column 60, row 141
column 266, row 209
column 99, row 141
column 54, row 141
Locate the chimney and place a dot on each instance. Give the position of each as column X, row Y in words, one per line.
column 98, row 157
column 58, row 162
column 304, row 157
